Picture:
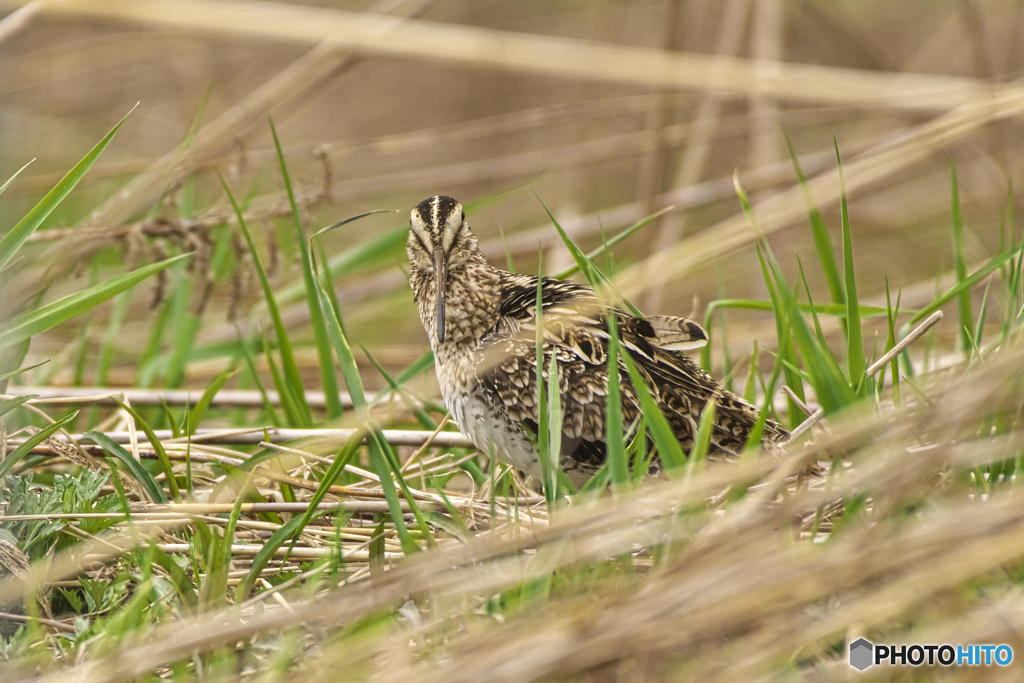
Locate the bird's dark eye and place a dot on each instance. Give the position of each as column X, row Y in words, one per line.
column 463, row 215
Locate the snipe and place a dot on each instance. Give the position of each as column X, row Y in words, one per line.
column 481, row 323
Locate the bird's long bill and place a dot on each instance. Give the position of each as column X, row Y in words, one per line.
column 441, row 272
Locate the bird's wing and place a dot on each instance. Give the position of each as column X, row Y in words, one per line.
column 683, row 388
column 676, row 334
column 576, row 335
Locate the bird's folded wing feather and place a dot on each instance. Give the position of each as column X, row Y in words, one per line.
column 576, row 336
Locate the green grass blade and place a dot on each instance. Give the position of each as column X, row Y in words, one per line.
column 259, row 562
column 965, row 285
column 819, row 231
column 836, row 310
column 316, row 314
column 24, row 449
column 642, row 452
column 829, row 383
column 421, row 415
column 376, row 250
column 343, row 457
column 229, row 534
column 960, row 265
column 854, row 337
column 510, row 262
column 554, row 406
column 709, row 319
column 383, row 471
column 32, row 323
column 750, row 387
column 810, row 303
column 346, row 360
column 289, row 368
column 669, row 450
column 424, row 363
column 980, row 326
column 196, row 416
column 786, row 344
column 378, row 459
column 169, row 416
column 605, row 246
column 13, row 240
column 498, row 197
column 753, row 444
column 548, row 477
column 377, row 440
column 3, row 188
column 284, row 390
column 184, row 341
column 615, row 435
column 600, row 479
column 595, row 277
column 250, row 365
column 890, row 343
column 831, row 386
column 132, row 466
column 325, row 278
column 4, row 376
column 158, row 447
column 107, row 350
column 702, row 440
column 352, row 219
column 787, row 347
column 12, row 403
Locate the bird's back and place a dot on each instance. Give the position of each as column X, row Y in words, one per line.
column 576, row 336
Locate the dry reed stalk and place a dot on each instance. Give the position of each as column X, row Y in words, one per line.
column 789, row 206
column 700, row 596
column 649, row 180
column 695, row 155
column 233, row 398
column 387, row 145
column 22, row 619
column 502, row 167
column 767, row 47
column 70, row 562
column 577, row 227
column 17, row 20
column 915, row 334
column 395, row 437
column 476, row 46
column 311, row 70
column 495, row 168
column 76, row 59
column 298, row 552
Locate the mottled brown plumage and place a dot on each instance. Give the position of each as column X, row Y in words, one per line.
column 482, row 327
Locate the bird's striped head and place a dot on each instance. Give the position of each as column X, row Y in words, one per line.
column 439, row 241
column 436, row 223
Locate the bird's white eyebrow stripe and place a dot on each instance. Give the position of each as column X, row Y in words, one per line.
column 421, row 241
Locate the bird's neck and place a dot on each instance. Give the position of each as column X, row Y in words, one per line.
column 472, row 302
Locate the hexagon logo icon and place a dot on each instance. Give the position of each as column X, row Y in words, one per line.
column 861, row 652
